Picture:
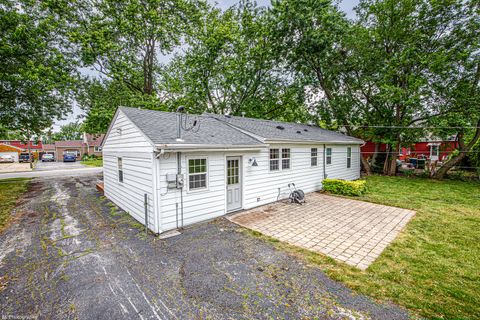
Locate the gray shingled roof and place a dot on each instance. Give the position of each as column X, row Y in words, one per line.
column 285, row 130
column 161, row 128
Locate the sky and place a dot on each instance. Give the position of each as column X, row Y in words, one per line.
column 346, row 5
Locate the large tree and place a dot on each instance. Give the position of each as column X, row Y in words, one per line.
column 457, row 78
column 37, row 71
column 69, row 131
column 123, row 42
column 376, row 76
column 230, row 67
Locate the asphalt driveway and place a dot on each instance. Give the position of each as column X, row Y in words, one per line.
column 72, row 254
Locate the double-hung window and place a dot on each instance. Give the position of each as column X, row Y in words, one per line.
column 274, row 159
column 349, row 157
column 120, row 169
column 314, row 157
column 197, row 173
column 329, row 155
column 285, row 158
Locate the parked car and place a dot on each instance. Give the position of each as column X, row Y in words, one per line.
column 25, row 157
column 6, row 158
column 69, row 157
column 47, row 157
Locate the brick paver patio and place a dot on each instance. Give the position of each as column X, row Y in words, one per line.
column 351, row 231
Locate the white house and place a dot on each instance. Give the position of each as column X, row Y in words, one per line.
column 195, row 169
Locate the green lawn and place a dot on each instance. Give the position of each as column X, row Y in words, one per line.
column 93, row 163
column 10, row 191
column 433, row 267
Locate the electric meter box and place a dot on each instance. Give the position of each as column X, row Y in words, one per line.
column 175, row 180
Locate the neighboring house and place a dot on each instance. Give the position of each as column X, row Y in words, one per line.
column 433, row 149
column 7, row 149
column 34, row 145
column 93, row 143
column 225, row 164
column 90, row 145
column 69, row 146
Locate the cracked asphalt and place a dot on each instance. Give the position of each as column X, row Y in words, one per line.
column 72, row 254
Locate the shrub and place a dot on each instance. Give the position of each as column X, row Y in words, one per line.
column 346, row 188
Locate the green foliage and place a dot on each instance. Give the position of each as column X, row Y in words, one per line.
column 70, row 131
column 122, row 41
column 231, row 68
column 37, row 72
column 343, row 187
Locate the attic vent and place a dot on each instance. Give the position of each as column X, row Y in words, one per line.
column 305, row 130
column 299, row 131
column 280, row 128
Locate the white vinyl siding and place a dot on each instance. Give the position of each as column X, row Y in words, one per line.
column 198, row 204
column 338, row 168
column 136, row 163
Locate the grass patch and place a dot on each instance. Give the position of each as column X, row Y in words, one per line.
column 93, row 162
column 432, row 268
column 10, row 191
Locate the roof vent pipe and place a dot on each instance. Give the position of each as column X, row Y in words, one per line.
column 179, row 122
column 243, row 114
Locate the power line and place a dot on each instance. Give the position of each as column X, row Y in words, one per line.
column 406, row 127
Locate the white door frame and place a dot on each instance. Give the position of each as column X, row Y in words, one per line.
column 240, row 179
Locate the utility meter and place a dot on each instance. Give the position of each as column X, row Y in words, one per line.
column 180, row 181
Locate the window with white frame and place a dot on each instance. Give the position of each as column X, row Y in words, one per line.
column 329, row 155
column 349, row 157
column 197, row 173
column 97, row 149
column 285, row 158
column 274, row 159
column 314, row 157
column 120, row 169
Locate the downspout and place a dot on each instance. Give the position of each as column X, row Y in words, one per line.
column 324, row 161
column 179, row 171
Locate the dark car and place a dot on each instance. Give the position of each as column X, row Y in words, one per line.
column 69, row 157
column 24, row 157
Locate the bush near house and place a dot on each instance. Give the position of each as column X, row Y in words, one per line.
column 343, row 187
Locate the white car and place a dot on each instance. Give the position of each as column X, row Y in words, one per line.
column 7, row 159
column 48, row 157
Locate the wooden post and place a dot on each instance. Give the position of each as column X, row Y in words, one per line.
column 146, row 215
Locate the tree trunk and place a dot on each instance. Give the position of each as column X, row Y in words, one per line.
column 365, row 165
column 30, row 158
column 440, row 174
column 390, row 164
column 375, row 154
